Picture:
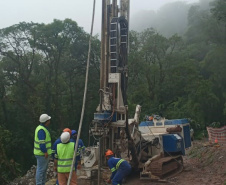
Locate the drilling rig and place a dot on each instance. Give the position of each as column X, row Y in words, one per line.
column 149, row 147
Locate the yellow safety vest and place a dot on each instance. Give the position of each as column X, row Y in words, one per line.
column 37, row 142
column 64, row 156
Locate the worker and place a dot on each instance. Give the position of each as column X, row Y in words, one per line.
column 63, row 160
column 58, row 141
column 81, row 147
column 120, row 168
column 42, row 148
column 55, row 145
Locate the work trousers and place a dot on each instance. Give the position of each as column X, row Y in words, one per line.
column 63, row 178
column 123, row 170
column 42, row 165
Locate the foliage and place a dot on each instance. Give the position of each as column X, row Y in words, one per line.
column 11, row 168
column 42, row 70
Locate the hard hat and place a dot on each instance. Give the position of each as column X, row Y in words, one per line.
column 67, row 130
column 44, row 117
column 108, row 153
column 73, row 132
column 65, row 137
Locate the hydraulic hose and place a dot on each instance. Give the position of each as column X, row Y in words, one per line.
column 84, row 97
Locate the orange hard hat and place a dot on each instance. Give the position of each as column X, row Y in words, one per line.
column 108, row 153
column 67, row 130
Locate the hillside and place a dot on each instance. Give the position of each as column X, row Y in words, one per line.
column 205, row 164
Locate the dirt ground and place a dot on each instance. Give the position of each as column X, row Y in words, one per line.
column 205, row 164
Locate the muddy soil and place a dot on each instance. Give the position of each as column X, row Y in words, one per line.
column 205, row 164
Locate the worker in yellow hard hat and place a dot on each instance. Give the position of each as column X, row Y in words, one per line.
column 120, row 168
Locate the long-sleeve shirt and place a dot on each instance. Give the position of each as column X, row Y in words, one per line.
column 55, row 146
column 112, row 163
column 42, row 136
column 81, row 146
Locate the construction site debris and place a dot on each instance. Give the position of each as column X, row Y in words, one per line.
column 29, row 177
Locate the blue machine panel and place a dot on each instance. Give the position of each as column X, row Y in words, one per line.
column 176, row 121
column 173, row 143
column 105, row 116
column 146, row 123
column 167, row 122
column 187, row 136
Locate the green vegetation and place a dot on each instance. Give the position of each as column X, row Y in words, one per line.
column 42, row 70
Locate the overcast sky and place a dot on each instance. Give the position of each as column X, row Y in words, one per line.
column 44, row 11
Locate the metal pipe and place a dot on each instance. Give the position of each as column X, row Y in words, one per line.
column 114, row 8
column 100, row 160
column 106, row 42
column 128, row 20
column 102, row 66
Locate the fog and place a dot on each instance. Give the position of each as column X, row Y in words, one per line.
column 44, row 11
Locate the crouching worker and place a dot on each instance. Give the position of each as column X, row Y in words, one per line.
column 63, row 160
column 120, row 168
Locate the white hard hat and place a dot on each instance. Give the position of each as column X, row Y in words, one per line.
column 65, row 137
column 44, row 117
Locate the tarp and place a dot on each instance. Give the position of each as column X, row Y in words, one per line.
column 217, row 133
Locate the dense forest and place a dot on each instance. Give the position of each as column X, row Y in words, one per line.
column 174, row 71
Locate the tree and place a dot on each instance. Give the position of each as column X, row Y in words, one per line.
column 43, row 70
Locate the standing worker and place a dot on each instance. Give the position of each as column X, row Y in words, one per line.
column 55, row 146
column 58, row 141
column 120, row 168
column 42, row 148
column 80, row 148
column 63, row 160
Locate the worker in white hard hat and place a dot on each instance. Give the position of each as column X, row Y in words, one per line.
column 63, row 160
column 55, row 146
column 42, row 148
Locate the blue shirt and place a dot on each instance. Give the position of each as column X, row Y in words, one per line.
column 112, row 162
column 55, row 146
column 42, row 136
column 81, row 146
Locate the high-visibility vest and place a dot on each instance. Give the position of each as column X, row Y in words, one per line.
column 37, row 142
column 65, row 154
column 118, row 163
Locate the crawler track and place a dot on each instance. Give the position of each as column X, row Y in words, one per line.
column 167, row 167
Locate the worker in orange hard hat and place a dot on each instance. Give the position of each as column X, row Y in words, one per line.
column 120, row 168
column 109, row 153
column 67, row 130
